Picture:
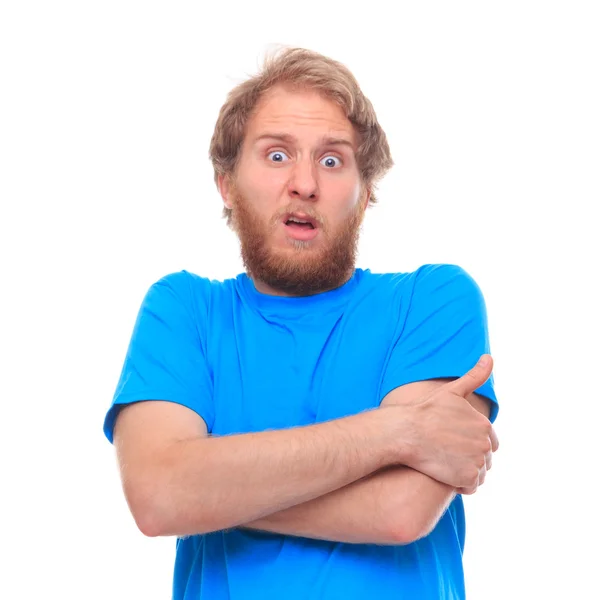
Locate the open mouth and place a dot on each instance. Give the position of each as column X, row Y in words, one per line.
column 300, row 226
column 300, row 221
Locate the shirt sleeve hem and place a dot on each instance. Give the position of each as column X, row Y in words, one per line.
column 121, row 401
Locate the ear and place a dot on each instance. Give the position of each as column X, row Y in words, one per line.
column 367, row 198
column 224, row 185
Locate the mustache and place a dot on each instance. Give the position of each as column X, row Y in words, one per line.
column 299, row 210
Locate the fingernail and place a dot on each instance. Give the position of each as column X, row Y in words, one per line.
column 483, row 361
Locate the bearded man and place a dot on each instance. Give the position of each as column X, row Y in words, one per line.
column 306, row 428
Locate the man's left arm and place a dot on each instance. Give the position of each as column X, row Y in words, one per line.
column 397, row 505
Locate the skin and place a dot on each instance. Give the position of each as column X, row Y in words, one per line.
column 275, row 177
column 380, row 477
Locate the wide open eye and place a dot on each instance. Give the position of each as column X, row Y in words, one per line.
column 276, row 153
column 330, row 158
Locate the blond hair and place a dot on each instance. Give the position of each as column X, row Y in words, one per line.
column 299, row 68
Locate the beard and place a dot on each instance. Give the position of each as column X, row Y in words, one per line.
column 305, row 267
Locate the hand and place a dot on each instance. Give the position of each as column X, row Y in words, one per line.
column 449, row 439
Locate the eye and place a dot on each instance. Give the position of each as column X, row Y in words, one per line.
column 278, row 153
column 330, row 158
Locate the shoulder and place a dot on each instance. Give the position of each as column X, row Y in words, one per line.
column 432, row 289
column 197, row 294
column 447, row 290
column 443, row 280
column 427, row 279
column 183, row 282
column 444, row 274
column 188, row 285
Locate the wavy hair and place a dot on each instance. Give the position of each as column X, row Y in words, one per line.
column 299, row 68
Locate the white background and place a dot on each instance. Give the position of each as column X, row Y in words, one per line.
column 107, row 108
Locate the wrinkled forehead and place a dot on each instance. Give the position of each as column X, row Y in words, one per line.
column 299, row 112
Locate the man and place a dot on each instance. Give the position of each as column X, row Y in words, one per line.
column 307, row 428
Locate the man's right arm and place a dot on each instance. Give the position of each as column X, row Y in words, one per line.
column 178, row 481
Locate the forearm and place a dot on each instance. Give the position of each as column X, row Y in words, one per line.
column 396, row 505
column 215, row 483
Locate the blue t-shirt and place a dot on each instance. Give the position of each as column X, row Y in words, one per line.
column 248, row 362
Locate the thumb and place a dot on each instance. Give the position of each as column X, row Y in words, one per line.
column 474, row 378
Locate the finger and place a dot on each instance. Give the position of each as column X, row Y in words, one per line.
column 488, row 461
column 474, row 378
column 466, row 491
column 494, row 440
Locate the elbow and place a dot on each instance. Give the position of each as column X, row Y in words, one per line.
column 148, row 524
column 144, row 509
column 151, row 511
column 156, row 514
column 409, row 530
column 403, row 536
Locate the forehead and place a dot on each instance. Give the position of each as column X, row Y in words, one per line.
column 299, row 112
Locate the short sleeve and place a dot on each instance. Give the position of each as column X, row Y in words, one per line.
column 442, row 330
column 166, row 357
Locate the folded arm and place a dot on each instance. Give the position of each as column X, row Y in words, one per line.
column 396, row 505
column 178, row 481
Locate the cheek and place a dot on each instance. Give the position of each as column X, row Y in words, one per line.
column 346, row 191
column 264, row 187
column 349, row 204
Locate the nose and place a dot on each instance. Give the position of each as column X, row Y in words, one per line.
column 303, row 182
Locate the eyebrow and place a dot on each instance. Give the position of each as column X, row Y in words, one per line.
column 326, row 140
